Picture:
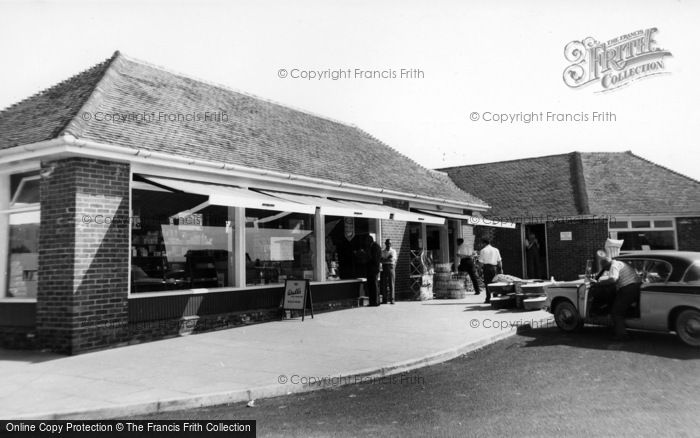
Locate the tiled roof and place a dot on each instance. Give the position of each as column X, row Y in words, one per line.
column 518, row 188
column 256, row 133
column 579, row 183
column 626, row 183
column 45, row 115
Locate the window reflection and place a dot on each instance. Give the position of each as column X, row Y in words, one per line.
column 279, row 246
column 173, row 248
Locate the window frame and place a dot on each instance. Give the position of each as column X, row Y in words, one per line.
column 7, row 198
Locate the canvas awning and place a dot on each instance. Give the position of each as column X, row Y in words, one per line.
column 400, row 215
column 232, row 196
column 471, row 220
column 330, row 207
column 268, row 200
column 345, row 208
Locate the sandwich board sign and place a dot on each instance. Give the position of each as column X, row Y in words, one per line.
column 297, row 296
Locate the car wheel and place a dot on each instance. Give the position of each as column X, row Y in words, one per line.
column 566, row 316
column 688, row 327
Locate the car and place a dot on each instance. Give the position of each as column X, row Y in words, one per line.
column 669, row 298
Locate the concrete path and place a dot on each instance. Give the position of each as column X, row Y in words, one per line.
column 251, row 362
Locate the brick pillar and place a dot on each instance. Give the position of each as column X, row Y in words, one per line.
column 83, row 255
column 397, row 231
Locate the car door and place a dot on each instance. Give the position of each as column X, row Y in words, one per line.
column 656, row 294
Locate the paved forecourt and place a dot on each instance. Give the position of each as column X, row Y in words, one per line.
column 246, row 363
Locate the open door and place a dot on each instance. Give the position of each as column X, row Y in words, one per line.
column 536, row 251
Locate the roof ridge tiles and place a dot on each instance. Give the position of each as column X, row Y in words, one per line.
column 383, row 143
column 662, row 167
column 505, row 161
column 74, row 125
column 232, row 90
column 57, row 85
column 527, row 159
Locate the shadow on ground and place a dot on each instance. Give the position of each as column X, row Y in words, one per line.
column 600, row 338
column 29, row 356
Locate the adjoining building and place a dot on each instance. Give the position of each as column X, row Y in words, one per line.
column 574, row 202
column 135, row 201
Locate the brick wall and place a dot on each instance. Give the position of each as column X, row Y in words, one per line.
column 688, row 229
column 17, row 325
column 567, row 258
column 83, row 261
column 397, row 231
column 146, row 331
column 508, row 242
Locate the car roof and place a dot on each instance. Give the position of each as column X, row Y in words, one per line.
column 687, row 256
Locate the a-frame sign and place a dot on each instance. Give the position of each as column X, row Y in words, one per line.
column 297, row 296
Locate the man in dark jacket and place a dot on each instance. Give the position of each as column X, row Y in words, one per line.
column 375, row 257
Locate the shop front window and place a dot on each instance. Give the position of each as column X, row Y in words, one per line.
column 278, row 246
column 23, row 232
column 174, row 246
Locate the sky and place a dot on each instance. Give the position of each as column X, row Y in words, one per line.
column 469, row 59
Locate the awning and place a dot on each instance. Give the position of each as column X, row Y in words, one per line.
column 140, row 185
column 471, row 220
column 401, row 215
column 232, row 196
column 330, row 207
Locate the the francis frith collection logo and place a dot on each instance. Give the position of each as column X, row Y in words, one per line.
column 616, row 62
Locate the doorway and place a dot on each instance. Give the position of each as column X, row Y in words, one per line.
column 535, row 251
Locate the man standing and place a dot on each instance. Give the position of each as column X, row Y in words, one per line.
column 628, row 285
column 388, row 277
column 532, row 252
column 490, row 258
column 465, row 263
column 374, row 252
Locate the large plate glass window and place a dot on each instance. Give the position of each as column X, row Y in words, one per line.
column 175, row 246
column 23, row 219
column 279, row 245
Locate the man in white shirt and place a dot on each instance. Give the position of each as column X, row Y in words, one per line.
column 465, row 263
column 388, row 277
column 490, row 259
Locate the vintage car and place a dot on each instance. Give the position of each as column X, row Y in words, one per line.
column 669, row 299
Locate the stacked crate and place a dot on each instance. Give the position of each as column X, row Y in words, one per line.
column 447, row 285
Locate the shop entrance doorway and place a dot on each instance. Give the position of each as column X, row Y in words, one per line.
column 535, row 251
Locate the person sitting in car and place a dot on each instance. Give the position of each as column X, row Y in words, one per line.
column 627, row 285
